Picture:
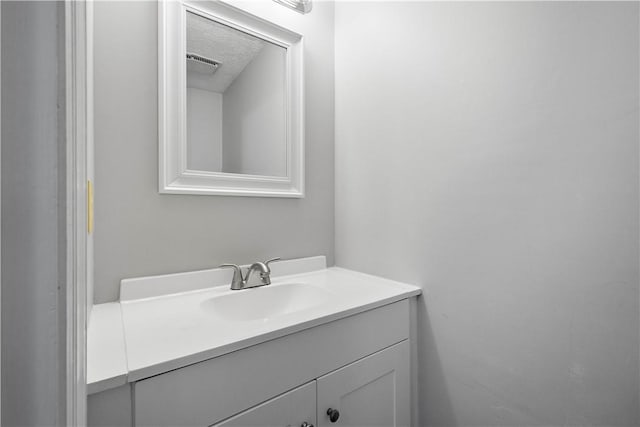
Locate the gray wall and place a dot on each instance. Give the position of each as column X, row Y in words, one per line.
column 33, row 208
column 489, row 153
column 140, row 232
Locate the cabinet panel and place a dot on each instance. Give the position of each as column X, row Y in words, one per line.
column 373, row 391
column 290, row 409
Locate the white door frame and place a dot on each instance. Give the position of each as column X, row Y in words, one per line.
column 0, row 217
column 78, row 58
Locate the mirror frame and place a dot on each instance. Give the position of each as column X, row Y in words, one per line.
column 174, row 175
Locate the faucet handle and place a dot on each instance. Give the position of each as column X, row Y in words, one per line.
column 236, row 267
column 272, row 260
column 238, row 280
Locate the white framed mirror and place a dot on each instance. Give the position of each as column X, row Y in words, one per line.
column 231, row 102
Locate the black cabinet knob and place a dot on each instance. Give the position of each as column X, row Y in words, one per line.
column 333, row 415
column 306, row 424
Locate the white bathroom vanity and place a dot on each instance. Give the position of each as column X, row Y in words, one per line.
column 321, row 346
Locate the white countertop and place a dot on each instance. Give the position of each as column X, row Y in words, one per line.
column 150, row 333
column 106, row 354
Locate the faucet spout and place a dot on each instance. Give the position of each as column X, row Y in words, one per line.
column 263, row 270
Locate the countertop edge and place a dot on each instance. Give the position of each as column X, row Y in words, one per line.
column 107, row 384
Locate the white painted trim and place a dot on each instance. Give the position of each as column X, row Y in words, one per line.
column 174, row 176
column 413, row 360
column 90, row 168
column 0, row 215
column 76, row 48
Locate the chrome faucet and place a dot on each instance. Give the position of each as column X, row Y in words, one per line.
column 261, row 270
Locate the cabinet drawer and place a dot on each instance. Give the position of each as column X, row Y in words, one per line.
column 291, row 409
column 210, row 391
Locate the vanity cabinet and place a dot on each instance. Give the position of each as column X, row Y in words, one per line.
column 357, row 365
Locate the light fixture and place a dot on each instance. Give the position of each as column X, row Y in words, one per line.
column 302, row 6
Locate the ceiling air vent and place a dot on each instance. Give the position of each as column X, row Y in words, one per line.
column 200, row 64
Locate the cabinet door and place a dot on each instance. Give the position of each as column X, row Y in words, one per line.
column 290, row 409
column 373, row 391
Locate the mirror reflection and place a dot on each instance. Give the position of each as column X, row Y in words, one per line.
column 236, row 92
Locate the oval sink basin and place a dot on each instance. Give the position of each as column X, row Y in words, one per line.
column 265, row 302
